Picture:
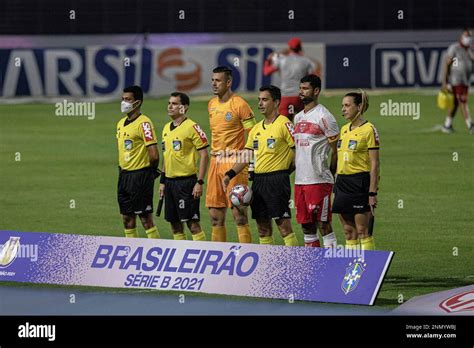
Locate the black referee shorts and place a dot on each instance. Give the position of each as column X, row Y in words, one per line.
column 351, row 194
column 180, row 205
column 271, row 196
column 135, row 191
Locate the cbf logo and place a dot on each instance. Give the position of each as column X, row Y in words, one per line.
column 353, row 274
column 228, row 116
column 9, row 252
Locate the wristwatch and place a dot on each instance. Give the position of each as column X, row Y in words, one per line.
column 200, row 182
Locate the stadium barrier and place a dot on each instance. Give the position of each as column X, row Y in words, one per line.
column 38, row 68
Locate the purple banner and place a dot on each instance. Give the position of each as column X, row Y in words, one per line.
column 294, row 273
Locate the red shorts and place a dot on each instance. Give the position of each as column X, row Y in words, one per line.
column 461, row 92
column 288, row 104
column 313, row 203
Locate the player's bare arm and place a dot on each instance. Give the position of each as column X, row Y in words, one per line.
column 154, row 156
column 447, row 64
column 203, row 164
column 374, row 174
column 333, row 165
column 293, row 162
column 162, row 186
column 237, row 168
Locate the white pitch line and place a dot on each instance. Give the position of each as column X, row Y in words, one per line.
column 434, row 129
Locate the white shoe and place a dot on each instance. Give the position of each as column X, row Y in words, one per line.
column 448, row 130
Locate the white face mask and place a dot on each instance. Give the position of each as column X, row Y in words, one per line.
column 126, row 107
column 466, row 40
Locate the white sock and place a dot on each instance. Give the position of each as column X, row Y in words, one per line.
column 329, row 240
column 468, row 122
column 310, row 238
column 448, row 122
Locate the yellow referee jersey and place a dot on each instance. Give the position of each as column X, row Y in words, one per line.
column 180, row 145
column 353, row 148
column 132, row 140
column 272, row 145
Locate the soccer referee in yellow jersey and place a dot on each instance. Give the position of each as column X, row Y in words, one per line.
column 181, row 183
column 355, row 190
column 138, row 163
column 272, row 143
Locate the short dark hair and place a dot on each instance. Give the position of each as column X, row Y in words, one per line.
column 223, row 69
column 313, row 80
column 183, row 97
column 136, row 90
column 273, row 90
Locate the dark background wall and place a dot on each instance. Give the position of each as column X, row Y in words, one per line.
column 161, row 16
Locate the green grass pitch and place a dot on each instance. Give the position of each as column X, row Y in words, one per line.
column 425, row 210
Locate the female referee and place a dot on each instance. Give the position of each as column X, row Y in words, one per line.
column 355, row 190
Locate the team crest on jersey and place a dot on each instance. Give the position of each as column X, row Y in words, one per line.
column 128, row 144
column 176, row 145
column 352, row 144
column 228, row 116
column 271, row 143
column 353, row 274
column 255, row 144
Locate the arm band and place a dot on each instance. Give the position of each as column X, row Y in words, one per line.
column 249, row 123
column 231, row 174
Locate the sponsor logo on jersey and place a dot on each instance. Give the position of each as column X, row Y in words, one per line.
column 291, row 129
column 376, row 136
column 201, row 133
column 308, row 128
column 146, row 126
